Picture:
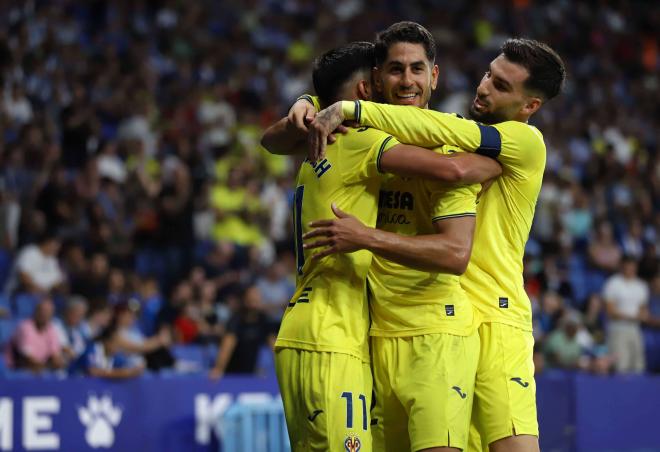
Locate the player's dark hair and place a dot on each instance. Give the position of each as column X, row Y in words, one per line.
column 546, row 68
column 337, row 66
column 406, row 31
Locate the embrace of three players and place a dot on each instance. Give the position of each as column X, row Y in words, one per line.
column 410, row 329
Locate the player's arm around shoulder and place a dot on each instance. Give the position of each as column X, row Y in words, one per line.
column 288, row 136
column 447, row 164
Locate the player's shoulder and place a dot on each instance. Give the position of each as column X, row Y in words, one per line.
column 362, row 139
column 521, row 132
column 366, row 133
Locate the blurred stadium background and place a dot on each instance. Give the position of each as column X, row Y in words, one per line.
column 135, row 200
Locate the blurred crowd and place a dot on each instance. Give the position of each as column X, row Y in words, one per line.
column 142, row 227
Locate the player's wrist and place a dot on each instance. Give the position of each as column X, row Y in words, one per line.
column 351, row 110
column 310, row 99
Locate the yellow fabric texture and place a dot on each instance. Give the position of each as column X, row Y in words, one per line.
column 326, row 399
column 424, row 390
column 504, row 216
column 406, row 301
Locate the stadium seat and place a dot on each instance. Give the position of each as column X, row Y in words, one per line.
column 652, row 349
column 24, row 304
column 266, row 362
column 5, row 304
column 211, row 353
column 7, row 328
column 189, row 358
column 5, row 266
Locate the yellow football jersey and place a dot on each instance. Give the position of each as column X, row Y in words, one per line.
column 328, row 311
column 409, row 302
column 504, row 216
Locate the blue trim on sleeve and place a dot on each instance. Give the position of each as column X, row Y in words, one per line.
column 491, row 141
column 380, row 153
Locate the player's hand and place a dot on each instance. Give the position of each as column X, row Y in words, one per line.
column 344, row 234
column 325, row 123
column 301, row 114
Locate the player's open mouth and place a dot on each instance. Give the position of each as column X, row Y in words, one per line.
column 407, row 98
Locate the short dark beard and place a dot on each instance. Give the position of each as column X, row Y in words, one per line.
column 485, row 118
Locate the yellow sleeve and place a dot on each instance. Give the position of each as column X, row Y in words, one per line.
column 421, row 127
column 517, row 146
column 454, row 201
column 523, row 151
column 314, row 100
column 373, row 143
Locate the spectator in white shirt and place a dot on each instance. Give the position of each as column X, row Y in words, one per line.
column 37, row 270
column 626, row 297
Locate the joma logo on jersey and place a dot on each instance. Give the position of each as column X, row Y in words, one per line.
column 395, row 200
column 391, row 218
column 321, row 167
column 352, row 444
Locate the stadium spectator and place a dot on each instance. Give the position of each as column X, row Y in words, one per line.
column 595, row 317
column 626, row 298
column 140, row 350
column 99, row 317
column 547, row 318
column 247, row 332
column 276, row 290
column 562, row 347
column 604, row 253
column 93, row 283
column 37, row 270
column 70, row 329
column 36, row 345
column 103, row 357
column 654, row 303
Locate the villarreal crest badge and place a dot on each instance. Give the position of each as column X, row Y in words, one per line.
column 352, row 443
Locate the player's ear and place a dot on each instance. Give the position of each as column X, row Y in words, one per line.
column 435, row 71
column 364, row 90
column 532, row 104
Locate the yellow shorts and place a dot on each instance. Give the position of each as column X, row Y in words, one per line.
column 327, row 400
column 505, row 390
column 423, row 390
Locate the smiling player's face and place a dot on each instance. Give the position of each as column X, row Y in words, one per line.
column 407, row 77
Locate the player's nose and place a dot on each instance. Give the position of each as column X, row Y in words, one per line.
column 482, row 88
column 406, row 79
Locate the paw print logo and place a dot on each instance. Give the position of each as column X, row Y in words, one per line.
column 100, row 418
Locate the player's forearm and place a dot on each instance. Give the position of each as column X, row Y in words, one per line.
column 417, row 126
column 282, row 139
column 432, row 252
column 458, row 168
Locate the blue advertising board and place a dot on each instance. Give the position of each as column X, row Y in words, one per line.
column 152, row 414
column 577, row 412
